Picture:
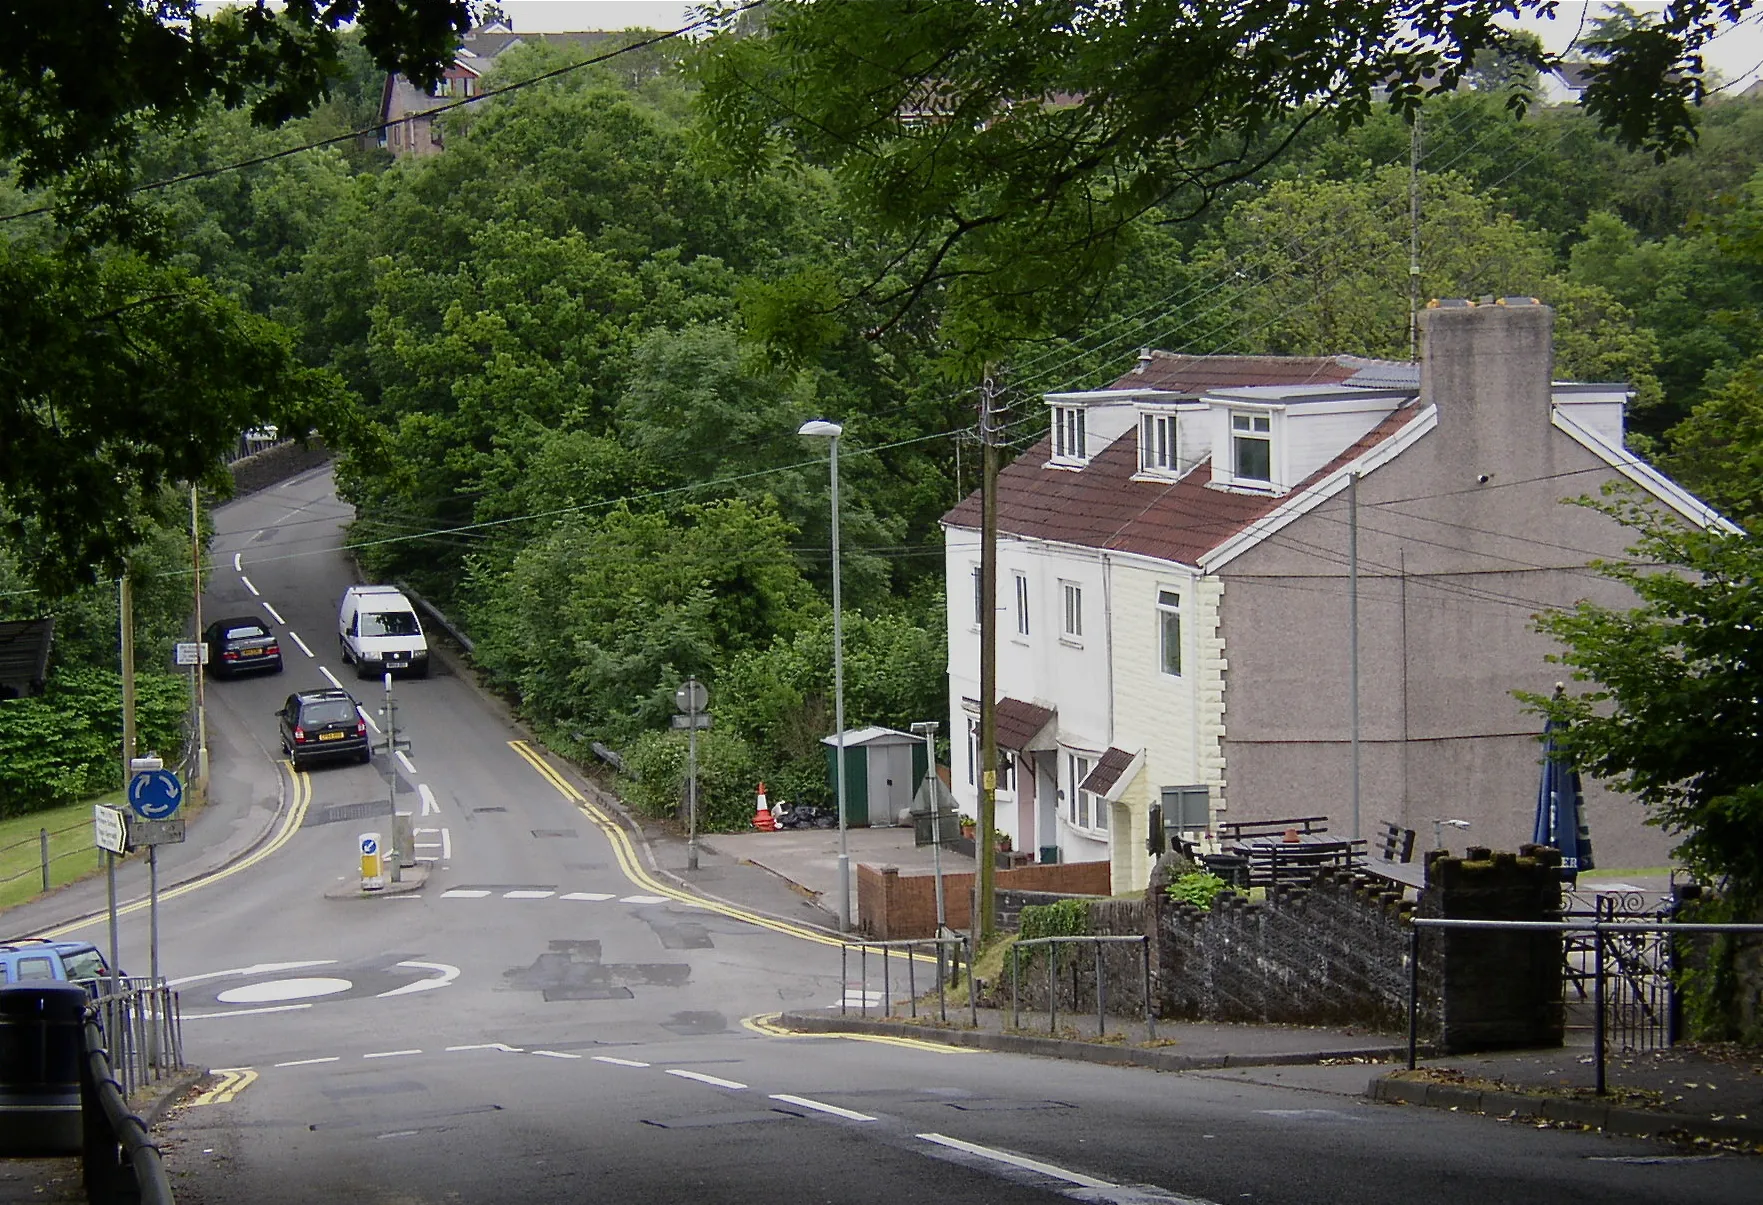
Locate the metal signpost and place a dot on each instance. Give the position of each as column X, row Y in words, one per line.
column 393, row 744
column 691, row 698
column 928, row 730
column 155, row 794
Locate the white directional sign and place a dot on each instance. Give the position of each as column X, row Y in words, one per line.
column 109, row 829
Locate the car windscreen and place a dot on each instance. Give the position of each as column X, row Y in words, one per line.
column 390, row 623
column 245, row 632
column 335, row 711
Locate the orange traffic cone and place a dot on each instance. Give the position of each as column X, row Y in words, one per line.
column 762, row 815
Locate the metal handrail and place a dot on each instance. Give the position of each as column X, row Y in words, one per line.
column 1098, row 940
column 1596, row 928
column 152, row 1186
column 911, row 945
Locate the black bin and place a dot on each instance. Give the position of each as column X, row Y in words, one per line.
column 42, row 1039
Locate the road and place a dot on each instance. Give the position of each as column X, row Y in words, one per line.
column 543, row 1021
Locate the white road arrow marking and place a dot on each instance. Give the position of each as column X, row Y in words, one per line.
column 262, row 968
column 447, row 975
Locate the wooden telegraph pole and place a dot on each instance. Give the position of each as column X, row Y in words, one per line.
column 985, row 917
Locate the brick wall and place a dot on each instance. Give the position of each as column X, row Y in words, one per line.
column 892, row 906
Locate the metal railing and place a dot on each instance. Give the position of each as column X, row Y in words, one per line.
column 1599, row 931
column 143, row 1024
column 1097, row 940
column 948, row 973
column 111, row 1130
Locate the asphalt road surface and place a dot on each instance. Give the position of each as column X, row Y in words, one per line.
column 544, row 1022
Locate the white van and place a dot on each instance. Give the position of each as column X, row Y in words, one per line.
column 378, row 630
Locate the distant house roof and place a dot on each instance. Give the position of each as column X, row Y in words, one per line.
column 24, row 656
column 1104, row 507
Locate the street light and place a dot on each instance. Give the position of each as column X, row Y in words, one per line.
column 1438, row 830
column 831, row 432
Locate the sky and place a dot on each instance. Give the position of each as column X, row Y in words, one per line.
column 1737, row 55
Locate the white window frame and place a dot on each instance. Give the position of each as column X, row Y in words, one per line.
column 1022, row 600
column 972, row 752
column 1168, row 604
column 1006, row 764
column 1070, row 437
column 1158, row 453
column 1085, row 811
column 979, row 598
column 1257, row 428
column 1072, row 628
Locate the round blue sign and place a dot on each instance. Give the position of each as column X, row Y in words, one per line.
column 155, row 794
column 369, row 846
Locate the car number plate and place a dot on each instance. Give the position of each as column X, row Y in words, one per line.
column 250, row 652
column 332, row 736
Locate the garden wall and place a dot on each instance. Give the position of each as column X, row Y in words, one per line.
column 892, row 906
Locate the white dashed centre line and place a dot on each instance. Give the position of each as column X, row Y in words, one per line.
column 446, row 846
column 326, row 671
column 528, row 895
column 606, row 1058
column 463, row 893
column 589, row 895
column 712, row 1080
column 389, row 1054
column 404, row 760
column 237, row 565
column 643, row 899
column 1022, row 1161
column 309, row 1062
column 295, row 637
column 502, row 1046
column 249, row 586
column 557, row 1054
column 274, row 614
column 848, row 1114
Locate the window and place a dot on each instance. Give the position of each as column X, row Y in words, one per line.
column 1187, row 809
column 1157, row 443
column 1169, row 630
column 1068, row 433
column 972, row 751
column 1077, row 799
column 1074, row 610
column 1021, row 605
column 1251, row 437
column 979, row 597
column 976, row 751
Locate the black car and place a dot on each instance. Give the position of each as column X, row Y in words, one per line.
column 241, row 644
column 320, row 724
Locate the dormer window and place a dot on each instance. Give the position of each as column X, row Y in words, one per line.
column 1157, row 443
column 1068, row 433
column 1251, row 447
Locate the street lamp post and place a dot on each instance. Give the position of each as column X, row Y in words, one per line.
column 831, row 432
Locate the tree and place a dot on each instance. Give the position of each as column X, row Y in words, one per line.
column 1007, row 149
column 1718, row 450
column 1675, row 710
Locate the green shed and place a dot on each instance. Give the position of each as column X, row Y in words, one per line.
column 883, row 767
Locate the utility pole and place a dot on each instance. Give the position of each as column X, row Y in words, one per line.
column 1353, row 631
column 403, row 838
column 1414, row 239
column 196, row 671
column 985, row 913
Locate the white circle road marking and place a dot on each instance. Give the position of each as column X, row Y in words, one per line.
column 261, row 968
column 284, row 989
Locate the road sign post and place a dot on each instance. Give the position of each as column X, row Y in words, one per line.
column 691, row 698
column 372, row 869
column 155, row 794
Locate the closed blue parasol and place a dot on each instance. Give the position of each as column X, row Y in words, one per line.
column 1560, row 818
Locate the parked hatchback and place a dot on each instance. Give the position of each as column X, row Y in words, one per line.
column 319, row 725
column 241, row 644
column 40, row 960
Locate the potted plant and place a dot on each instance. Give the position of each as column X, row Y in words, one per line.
column 968, row 824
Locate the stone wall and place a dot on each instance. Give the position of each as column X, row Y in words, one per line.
column 892, row 906
column 274, row 465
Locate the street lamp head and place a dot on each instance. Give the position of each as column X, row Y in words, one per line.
column 820, row 427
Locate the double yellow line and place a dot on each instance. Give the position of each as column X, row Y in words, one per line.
column 626, row 853
column 233, row 1080
column 301, row 797
column 766, row 1023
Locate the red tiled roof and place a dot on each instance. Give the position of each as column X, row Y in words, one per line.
column 1196, row 374
column 1101, row 506
column 1019, row 722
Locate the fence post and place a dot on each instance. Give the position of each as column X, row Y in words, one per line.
column 863, row 969
column 1101, row 1001
column 912, row 978
column 1413, row 990
column 887, row 987
column 1150, row 1009
column 1015, row 986
column 972, row 985
column 1598, row 1003
column 1052, row 988
column 43, row 848
column 942, row 984
column 844, row 976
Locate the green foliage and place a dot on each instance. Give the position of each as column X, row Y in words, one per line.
column 1675, row 710
column 1719, row 1005
column 1718, row 450
column 1062, row 918
column 67, row 744
column 655, row 778
column 1196, row 887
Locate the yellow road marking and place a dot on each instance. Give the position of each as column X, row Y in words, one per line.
column 233, row 1080
column 302, row 799
column 766, row 1023
column 626, row 853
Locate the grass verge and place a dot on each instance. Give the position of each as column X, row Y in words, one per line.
column 72, row 854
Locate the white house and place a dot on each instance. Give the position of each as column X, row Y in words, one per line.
column 1174, row 592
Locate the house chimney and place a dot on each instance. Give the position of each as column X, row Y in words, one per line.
column 1144, row 360
column 1489, row 369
